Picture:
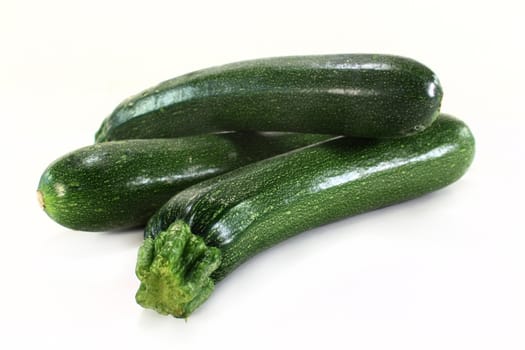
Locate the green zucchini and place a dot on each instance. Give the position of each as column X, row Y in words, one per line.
column 361, row 95
column 120, row 184
column 204, row 232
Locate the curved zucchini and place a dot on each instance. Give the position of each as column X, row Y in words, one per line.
column 205, row 231
column 120, row 184
column 351, row 94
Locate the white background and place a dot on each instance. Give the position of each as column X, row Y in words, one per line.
column 445, row 271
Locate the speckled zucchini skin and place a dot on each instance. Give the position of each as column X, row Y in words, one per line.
column 350, row 94
column 120, row 184
column 256, row 206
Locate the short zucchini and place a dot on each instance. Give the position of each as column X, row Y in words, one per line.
column 120, row 184
column 204, row 232
column 361, row 95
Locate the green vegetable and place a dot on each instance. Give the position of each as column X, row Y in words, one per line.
column 207, row 230
column 359, row 95
column 120, row 184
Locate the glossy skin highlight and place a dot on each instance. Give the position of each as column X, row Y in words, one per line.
column 360, row 95
column 252, row 208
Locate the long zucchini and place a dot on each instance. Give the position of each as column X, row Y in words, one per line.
column 351, row 94
column 120, row 184
column 204, row 232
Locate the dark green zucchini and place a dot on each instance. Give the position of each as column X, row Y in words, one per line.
column 120, row 184
column 354, row 94
column 204, row 232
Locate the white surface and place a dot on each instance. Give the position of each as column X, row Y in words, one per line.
column 442, row 272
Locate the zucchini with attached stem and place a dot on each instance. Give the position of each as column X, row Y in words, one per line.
column 204, row 232
column 120, row 184
column 362, row 95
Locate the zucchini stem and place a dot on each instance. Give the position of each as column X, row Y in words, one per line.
column 40, row 198
column 174, row 269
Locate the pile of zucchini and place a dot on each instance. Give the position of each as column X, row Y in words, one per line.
column 222, row 163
